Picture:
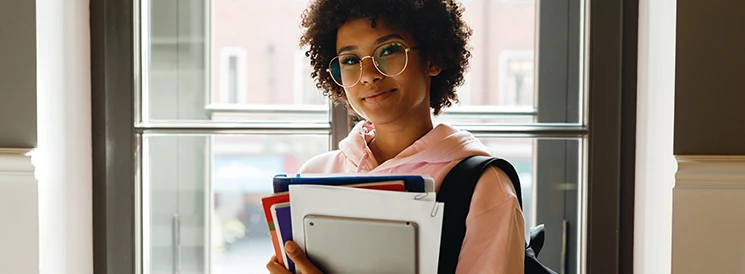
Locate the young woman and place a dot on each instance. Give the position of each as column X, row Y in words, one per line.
column 395, row 63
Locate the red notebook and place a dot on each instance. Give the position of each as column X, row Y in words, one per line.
column 284, row 197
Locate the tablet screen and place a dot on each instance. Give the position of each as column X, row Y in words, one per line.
column 353, row 245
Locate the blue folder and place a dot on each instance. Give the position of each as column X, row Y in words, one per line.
column 284, row 223
column 412, row 183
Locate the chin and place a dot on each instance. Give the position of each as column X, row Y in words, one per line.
column 384, row 119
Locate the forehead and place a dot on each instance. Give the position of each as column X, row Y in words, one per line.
column 361, row 34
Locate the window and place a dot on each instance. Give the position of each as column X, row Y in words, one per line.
column 233, row 76
column 204, row 154
column 516, row 75
column 464, row 91
column 205, row 187
column 305, row 90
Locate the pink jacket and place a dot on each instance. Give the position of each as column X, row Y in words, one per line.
column 495, row 235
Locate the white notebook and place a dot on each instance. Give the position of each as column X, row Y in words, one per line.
column 418, row 208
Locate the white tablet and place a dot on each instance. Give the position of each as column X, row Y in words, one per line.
column 352, row 245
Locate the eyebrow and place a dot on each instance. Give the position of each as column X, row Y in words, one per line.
column 377, row 41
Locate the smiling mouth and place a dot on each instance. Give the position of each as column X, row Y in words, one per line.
column 379, row 97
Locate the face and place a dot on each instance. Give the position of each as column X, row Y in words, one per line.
column 382, row 97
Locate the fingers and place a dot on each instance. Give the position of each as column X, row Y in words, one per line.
column 298, row 257
column 275, row 268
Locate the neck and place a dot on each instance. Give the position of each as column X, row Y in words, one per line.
column 391, row 139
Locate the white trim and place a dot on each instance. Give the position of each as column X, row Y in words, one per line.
column 712, row 172
column 655, row 163
column 19, row 213
column 16, row 162
column 63, row 159
column 15, row 150
column 240, row 54
column 504, row 57
column 708, row 215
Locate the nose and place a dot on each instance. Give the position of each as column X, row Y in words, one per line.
column 370, row 73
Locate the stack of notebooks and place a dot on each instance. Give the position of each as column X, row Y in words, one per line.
column 324, row 213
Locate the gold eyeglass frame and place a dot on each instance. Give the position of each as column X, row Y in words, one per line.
column 375, row 64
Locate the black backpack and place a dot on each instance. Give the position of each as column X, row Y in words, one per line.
column 456, row 192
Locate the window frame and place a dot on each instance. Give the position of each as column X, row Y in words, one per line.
column 559, row 68
column 112, row 101
column 609, row 144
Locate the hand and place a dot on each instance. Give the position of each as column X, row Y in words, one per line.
column 297, row 256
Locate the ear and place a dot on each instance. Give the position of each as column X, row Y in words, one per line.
column 433, row 70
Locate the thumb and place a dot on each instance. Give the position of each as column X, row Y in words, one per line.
column 298, row 257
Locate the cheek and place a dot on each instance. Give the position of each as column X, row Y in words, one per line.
column 352, row 103
column 416, row 81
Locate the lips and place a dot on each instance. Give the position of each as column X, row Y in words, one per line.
column 378, row 96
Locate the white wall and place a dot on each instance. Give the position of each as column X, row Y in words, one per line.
column 655, row 166
column 63, row 159
column 17, row 74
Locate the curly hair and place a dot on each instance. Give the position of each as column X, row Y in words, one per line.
column 437, row 25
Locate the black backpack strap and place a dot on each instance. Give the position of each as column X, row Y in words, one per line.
column 456, row 191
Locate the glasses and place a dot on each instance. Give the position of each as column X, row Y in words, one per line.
column 389, row 59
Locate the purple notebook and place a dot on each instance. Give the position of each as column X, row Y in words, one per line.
column 284, row 223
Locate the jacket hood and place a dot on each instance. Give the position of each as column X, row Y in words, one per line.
column 443, row 143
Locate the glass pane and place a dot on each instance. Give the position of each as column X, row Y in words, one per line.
column 550, row 176
column 203, row 61
column 202, row 196
column 502, row 67
column 500, row 83
column 202, row 211
column 275, row 65
column 527, row 75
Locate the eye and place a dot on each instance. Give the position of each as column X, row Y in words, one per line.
column 349, row 60
column 391, row 49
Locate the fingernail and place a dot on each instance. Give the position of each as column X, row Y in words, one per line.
column 290, row 247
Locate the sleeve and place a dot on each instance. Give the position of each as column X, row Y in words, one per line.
column 495, row 228
column 327, row 162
